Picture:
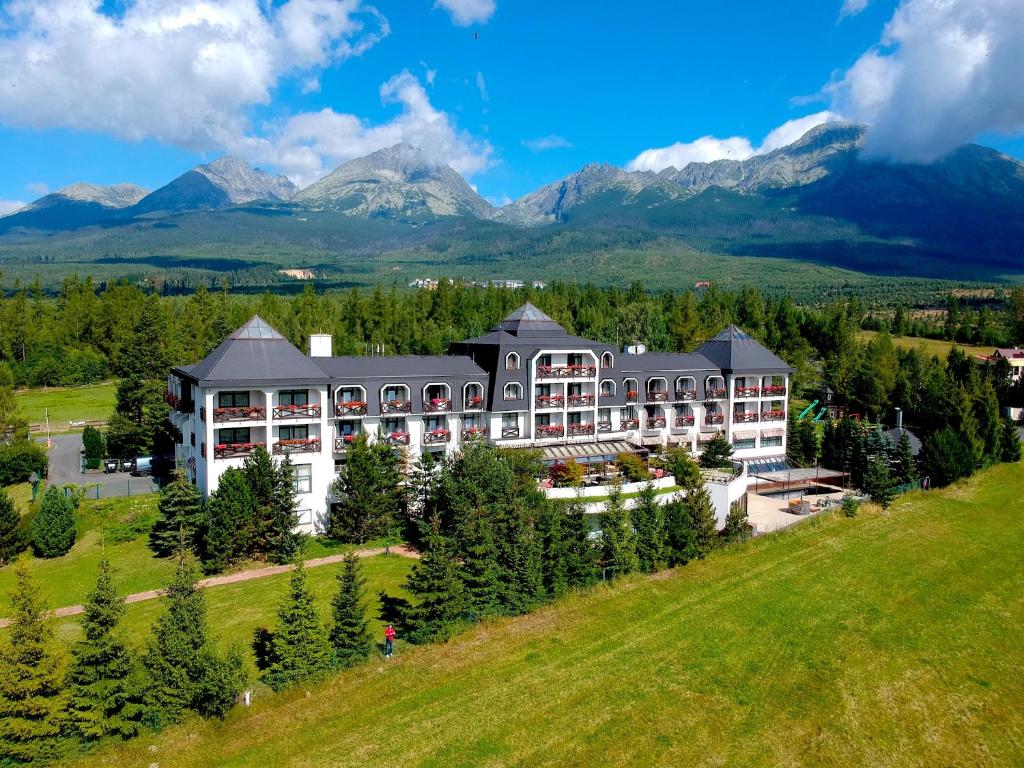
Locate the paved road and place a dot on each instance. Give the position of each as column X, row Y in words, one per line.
column 234, row 578
column 65, row 468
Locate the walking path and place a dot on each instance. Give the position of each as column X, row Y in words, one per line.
column 234, row 578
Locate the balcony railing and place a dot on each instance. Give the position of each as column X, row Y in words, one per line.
column 179, row 404
column 342, row 442
column 773, row 416
column 684, row 421
column 714, row 393
column 240, row 413
column 774, row 389
column 604, row 426
column 396, row 406
column 351, row 408
column 632, row 395
column 550, row 430
column 436, row 436
column 298, row 445
column 686, row 395
column 714, row 418
column 580, row 401
column 474, row 433
column 397, row 438
column 630, row 423
column 581, row 429
column 474, row 403
column 748, row 391
column 744, row 418
column 657, row 396
column 656, row 423
column 550, row 401
column 566, row 371
column 233, row 450
column 507, row 432
column 437, row 405
column 309, row 411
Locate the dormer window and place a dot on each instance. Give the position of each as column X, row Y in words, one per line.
column 512, row 362
column 607, row 360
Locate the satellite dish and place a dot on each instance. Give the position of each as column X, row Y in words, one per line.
column 640, row 349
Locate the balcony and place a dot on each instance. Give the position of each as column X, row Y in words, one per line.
column 550, row 401
column 350, row 409
column 745, row 418
column 686, row 395
column 342, row 443
column 235, row 450
column 566, row 371
column 396, row 438
column 714, row 418
column 580, row 429
column 773, row 416
column 395, row 406
column 240, row 413
column 658, row 422
column 748, row 392
column 309, row 411
column 474, row 403
column 509, row 432
column 630, row 423
column 299, row 445
column 714, row 393
column 657, row 396
column 474, row 433
column 437, row 405
column 581, row 401
column 435, row 436
column 604, row 426
column 774, row 389
column 179, row 404
column 632, row 395
column 550, row 430
column 684, row 421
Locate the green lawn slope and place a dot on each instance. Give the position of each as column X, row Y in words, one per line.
column 891, row 639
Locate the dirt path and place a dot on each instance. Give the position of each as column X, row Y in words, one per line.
column 234, row 578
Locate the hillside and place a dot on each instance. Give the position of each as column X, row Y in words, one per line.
column 889, row 639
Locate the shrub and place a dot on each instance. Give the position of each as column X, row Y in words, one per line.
column 53, row 527
column 632, row 467
column 19, row 459
column 568, row 474
column 92, row 443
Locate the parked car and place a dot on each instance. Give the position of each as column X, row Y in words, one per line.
column 142, row 465
column 111, row 465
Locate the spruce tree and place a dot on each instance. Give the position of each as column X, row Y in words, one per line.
column 849, row 506
column 717, row 453
column 439, row 599
column 481, row 574
column 945, row 457
column 523, row 564
column 181, row 517
column 735, row 523
column 368, row 492
column 32, row 698
column 283, row 542
column 301, row 646
column 703, row 522
column 103, row 680
column 230, row 521
column 878, row 482
column 12, row 537
column 904, row 466
column 53, row 527
column 350, row 633
column 550, row 521
column 648, row 519
column 1009, row 443
column 578, row 546
column 618, row 540
column 679, row 529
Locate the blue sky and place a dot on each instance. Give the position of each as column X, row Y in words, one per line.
column 513, row 93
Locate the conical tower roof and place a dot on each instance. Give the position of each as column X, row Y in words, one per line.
column 528, row 320
column 736, row 350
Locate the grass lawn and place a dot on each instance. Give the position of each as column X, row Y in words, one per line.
column 21, row 495
column 889, row 639
column 935, row 347
column 66, row 404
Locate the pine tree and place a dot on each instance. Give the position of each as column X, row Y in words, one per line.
column 525, row 586
column 181, row 517
column 717, row 453
column 32, row 698
column 261, row 473
column 550, row 521
column 703, row 522
column 282, row 540
column 849, row 506
column 105, row 697
column 1009, row 443
column 435, row 583
column 578, row 546
column 367, row 492
column 230, row 521
column 53, row 527
column 618, row 541
column 481, row 574
column 904, row 466
column 350, row 634
column 12, row 537
column 945, row 457
column 301, row 645
column 648, row 518
column 878, row 482
column 735, row 523
column 681, row 545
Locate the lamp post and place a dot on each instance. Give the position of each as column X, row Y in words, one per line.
column 34, row 479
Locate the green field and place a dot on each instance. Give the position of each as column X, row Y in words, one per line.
column 936, row 347
column 890, row 639
column 66, row 404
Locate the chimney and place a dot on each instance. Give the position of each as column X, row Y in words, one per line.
column 320, row 345
column 899, row 419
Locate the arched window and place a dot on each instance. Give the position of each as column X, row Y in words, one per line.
column 607, row 388
column 607, row 360
column 513, row 391
column 512, row 361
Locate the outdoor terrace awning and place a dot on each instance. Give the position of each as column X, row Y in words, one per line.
column 773, row 433
column 744, row 435
column 705, row 436
column 586, row 453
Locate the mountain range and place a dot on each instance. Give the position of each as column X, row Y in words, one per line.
column 811, row 199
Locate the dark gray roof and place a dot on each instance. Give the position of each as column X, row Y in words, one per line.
column 734, row 350
column 535, row 342
column 399, row 367
column 252, row 355
column 650, row 362
column 894, row 435
column 529, row 321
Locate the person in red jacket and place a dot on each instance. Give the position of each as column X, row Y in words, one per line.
column 389, row 641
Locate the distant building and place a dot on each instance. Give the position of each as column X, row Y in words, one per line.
column 702, row 284
column 539, row 285
column 1015, row 357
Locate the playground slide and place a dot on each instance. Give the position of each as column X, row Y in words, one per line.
column 806, row 410
column 820, row 415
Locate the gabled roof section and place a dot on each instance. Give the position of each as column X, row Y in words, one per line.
column 255, row 354
column 530, row 321
column 736, row 350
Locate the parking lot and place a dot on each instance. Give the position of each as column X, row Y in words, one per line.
column 65, row 468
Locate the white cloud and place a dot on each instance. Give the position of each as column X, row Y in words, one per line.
column 311, row 86
column 310, row 145
column 942, row 73
column 481, row 85
column 707, row 149
column 853, row 7
column 544, row 143
column 466, row 12
column 429, row 75
column 184, row 72
column 37, row 188
column 10, row 206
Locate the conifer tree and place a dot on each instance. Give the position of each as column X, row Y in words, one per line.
column 367, row 492
column 1009, row 443
column 735, row 523
column 12, row 537
column 878, row 482
column 301, row 647
column 904, row 466
column 350, row 633
column 717, row 453
column 550, row 521
column 261, row 473
column 679, row 531
column 103, row 680
column 230, row 525
column 181, row 517
column 283, row 542
column 481, row 574
column 439, row 600
column 849, row 506
column 648, row 519
column 32, row 698
column 525, row 587
column 53, row 527
column 945, row 457
column 578, row 547
column 703, row 522
column 618, row 541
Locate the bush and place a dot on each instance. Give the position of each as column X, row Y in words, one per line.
column 569, row 474
column 53, row 527
column 92, row 442
column 850, row 506
column 18, row 460
column 632, row 467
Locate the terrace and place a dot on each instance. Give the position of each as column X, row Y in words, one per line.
column 395, row 399
column 580, row 428
column 437, row 398
column 297, row 445
column 307, row 411
column 239, row 413
column 436, row 436
column 235, row 450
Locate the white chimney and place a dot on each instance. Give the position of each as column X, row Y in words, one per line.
column 899, row 419
column 320, row 345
